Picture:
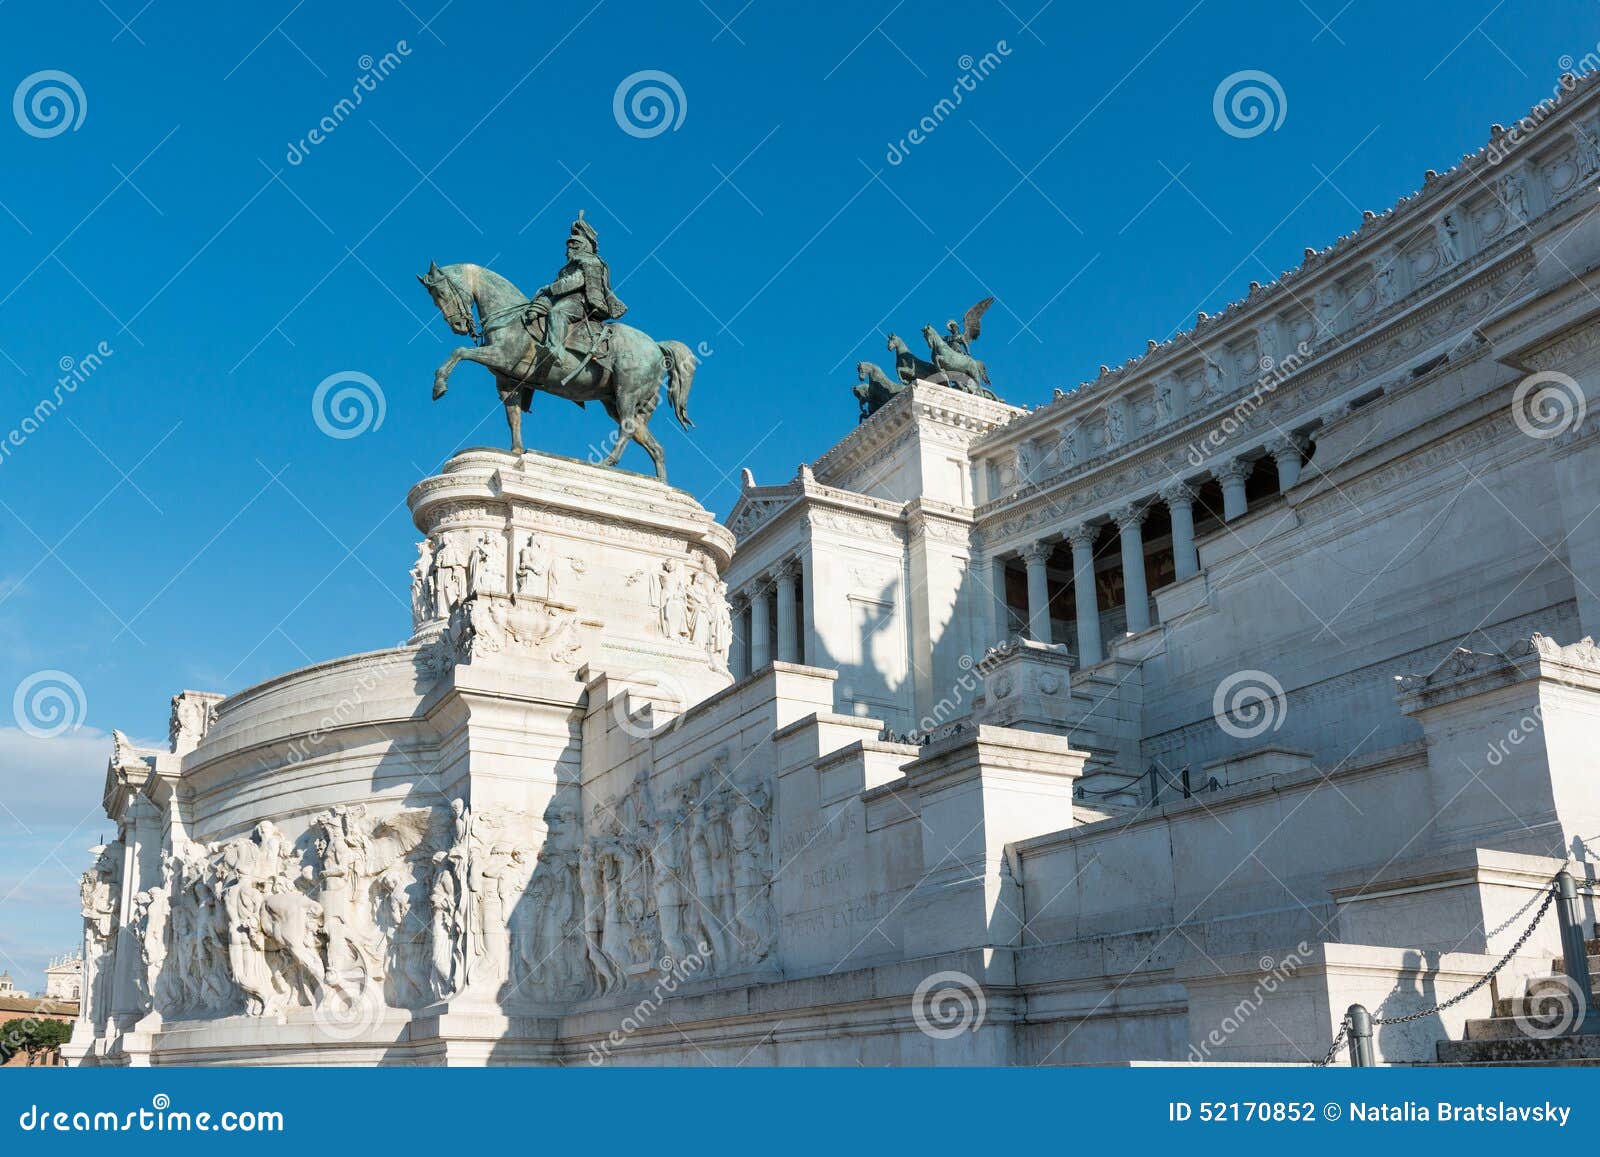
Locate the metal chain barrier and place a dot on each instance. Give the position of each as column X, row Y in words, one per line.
column 1513, row 918
column 1338, row 1043
column 1344, row 1026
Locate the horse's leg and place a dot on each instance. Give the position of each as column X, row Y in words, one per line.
column 617, row 408
column 643, row 436
column 483, row 355
column 514, row 420
column 441, row 376
column 623, row 434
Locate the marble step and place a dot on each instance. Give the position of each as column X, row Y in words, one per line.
column 1563, row 1050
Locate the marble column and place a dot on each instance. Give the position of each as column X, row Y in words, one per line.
column 1002, row 612
column 1036, row 556
column 1286, row 453
column 760, row 624
column 1136, row 594
column 1084, row 593
column 788, row 576
column 1179, row 498
column 808, row 615
column 1231, row 474
column 738, row 647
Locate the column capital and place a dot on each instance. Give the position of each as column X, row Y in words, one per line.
column 1081, row 534
column 786, row 568
column 1038, row 552
column 1286, row 444
column 1130, row 516
column 1177, row 493
column 1233, row 470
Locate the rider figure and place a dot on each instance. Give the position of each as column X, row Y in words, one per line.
column 955, row 337
column 582, row 290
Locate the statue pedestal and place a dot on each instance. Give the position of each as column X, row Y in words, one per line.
column 437, row 848
column 551, row 559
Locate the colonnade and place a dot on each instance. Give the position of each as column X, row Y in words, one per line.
column 1179, row 498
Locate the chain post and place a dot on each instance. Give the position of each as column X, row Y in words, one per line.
column 1360, row 1022
column 1575, row 952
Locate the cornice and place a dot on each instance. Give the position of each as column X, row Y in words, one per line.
column 1390, row 228
column 964, row 416
column 1162, row 456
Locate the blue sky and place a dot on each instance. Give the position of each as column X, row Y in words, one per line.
column 182, row 521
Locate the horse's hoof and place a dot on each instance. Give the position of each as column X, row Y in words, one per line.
column 439, row 389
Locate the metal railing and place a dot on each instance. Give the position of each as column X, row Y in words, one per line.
column 1357, row 1027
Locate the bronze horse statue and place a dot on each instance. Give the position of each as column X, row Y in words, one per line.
column 956, row 365
column 875, row 388
column 627, row 382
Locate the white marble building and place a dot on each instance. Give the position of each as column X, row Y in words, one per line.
column 1159, row 723
column 63, row 977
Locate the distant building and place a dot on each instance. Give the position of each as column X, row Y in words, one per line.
column 8, row 987
column 63, row 977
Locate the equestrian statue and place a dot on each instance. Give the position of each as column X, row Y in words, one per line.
column 565, row 340
column 951, row 364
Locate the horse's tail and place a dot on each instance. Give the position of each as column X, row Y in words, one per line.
column 680, row 376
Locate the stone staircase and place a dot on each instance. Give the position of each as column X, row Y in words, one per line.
column 1034, row 687
column 1502, row 1039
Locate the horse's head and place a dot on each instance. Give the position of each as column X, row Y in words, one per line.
column 896, row 346
column 861, row 371
column 931, row 335
column 449, row 299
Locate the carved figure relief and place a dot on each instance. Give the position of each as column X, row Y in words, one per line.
column 536, row 568
column 450, row 575
column 424, row 602
column 424, row 904
column 487, row 569
column 192, row 716
column 669, row 594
